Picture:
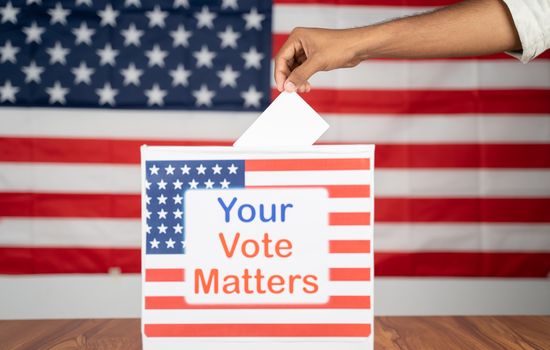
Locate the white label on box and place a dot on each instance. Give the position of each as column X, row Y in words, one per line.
column 256, row 246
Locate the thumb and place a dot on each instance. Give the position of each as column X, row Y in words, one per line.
column 300, row 75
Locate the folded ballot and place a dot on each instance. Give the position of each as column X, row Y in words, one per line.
column 250, row 246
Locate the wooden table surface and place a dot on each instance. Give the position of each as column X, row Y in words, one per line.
column 485, row 332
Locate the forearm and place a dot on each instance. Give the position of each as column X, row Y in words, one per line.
column 472, row 27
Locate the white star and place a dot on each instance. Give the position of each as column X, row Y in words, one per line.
column 232, row 169
column 155, row 95
column 252, row 58
column 131, row 75
column 162, row 184
column 228, row 76
column 82, row 74
column 185, row 170
column 108, row 16
column 147, row 229
column 177, row 184
column 107, row 55
column 209, row 184
column 154, row 243
column 170, row 243
column 154, row 170
column 201, row 169
column 57, row 93
column 181, row 3
column 132, row 35
column 204, row 57
column 162, row 228
column 169, row 169
column 252, row 97
column 147, row 184
column 32, row 73
column 180, row 76
column 177, row 199
column 83, row 2
column 229, row 37
column 83, row 34
column 232, row 4
column 178, row 228
column 58, row 53
column 147, row 214
column 156, row 17
column 106, row 94
column 58, row 14
column 205, row 18
column 162, row 214
column 33, row 33
column 180, row 36
column 9, row 13
column 30, row 2
column 147, row 199
column 8, row 52
column 136, row 3
column 8, row 92
column 217, row 169
column 156, row 56
column 193, row 184
column 225, row 183
column 178, row 214
column 203, row 96
column 253, row 19
column 162, row 199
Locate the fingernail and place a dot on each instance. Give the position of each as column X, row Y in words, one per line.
column 290, row 87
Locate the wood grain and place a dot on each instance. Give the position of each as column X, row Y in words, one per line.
column 415, row 332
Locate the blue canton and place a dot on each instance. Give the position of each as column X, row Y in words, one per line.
column 165, row 186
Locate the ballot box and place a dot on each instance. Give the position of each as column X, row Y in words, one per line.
column 257, row 249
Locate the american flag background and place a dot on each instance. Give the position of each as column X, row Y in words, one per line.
column 463, row 145
column 345, row 173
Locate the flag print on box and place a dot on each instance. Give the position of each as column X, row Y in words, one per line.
column 254, row 248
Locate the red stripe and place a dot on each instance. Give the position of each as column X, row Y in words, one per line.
column 60, row 150
column 164, row 275
column 280, row 38
column 387, row 209
column 346, row 219
column 307, row 164
column 349, row 246
column 334, row 302
column 97, row 260
column 467, row 264
column 334, row 191
column 23, row 260
column 349, row 274
column 536, row 101
column 257, row 330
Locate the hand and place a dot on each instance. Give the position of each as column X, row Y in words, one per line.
column 310, row 50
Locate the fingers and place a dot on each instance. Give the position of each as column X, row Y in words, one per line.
column 285, row 60
column 298, row 78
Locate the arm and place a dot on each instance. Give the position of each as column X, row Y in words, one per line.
column 472, row 27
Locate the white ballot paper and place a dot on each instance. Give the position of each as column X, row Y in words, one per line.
column 287, row 121
column 255, row 247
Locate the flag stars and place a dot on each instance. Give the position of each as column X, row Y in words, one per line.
column 201, row 169
column 147, row 199
column 131, row 75
column 185, row 169
column 156, row 56
column 108, row 16
column 33, row 33
column 147, row 185
column 170, row 243
column 58, row 14
column 82, row 74
column 128, row 3
column 147, row 214
column 205, row 18
column 57, row 93
column 230, row 4
column 178, row 214
column 154, row 170
column 181, row 3
column 232, row 169
column 147, row 229
column 107, row 94
column 228, row 77
column 58, row 54
column 107, row 55
column 132, row 35
column 8, row 92
column 180, row 36
column 209, row 184
column 252, row 97
column 161, row 184
column 9, row 13
column 32, row 73
column 252, row 58
column 156, row 17
column 177, row 184
column 8, row 52
column 217, row 169
column 204, row 57
column 193, row 184
column 180, row 76
column 169, row 169
column 162, row 228
column 162, row 214
column 253, row 19
column 154, row 243
column 83, row 34
column 155, row 95
column 203, row 96
column 178, row 199
column 162, row 199
column 178, row 228
column 229, row 38
column 225, row 183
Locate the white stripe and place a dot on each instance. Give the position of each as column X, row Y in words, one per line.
column 169, row 125
column 250, row 343
column 70, row 178
column 336, row 205
column 287, row 17
column 462, row 237
column 316, row 316
column 333, row 288
column 436, row 74
column 125, row 233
